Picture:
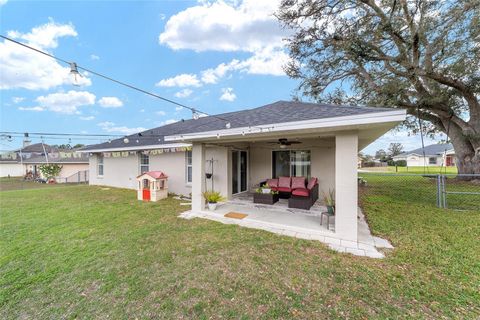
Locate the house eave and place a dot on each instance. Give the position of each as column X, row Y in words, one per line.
column 137, row 148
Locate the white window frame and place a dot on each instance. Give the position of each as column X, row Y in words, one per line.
column 290, row 160
column 188, row 156
column 100, row 163
column 430, row 160
column 143, row 165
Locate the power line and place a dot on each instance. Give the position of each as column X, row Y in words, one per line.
column 74, row 66
column 61, row 134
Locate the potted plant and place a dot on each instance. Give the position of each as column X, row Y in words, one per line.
column 329, row 199
column 212, row 198
column 266, row 188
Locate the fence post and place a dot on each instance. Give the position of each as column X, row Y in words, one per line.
column 439, row 194
column 444, row 191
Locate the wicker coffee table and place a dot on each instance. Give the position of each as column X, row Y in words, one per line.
column 265, row 198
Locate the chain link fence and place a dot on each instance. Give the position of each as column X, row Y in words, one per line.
column 449, row 191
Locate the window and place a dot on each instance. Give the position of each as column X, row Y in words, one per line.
column 144, row 163
column 100, row 165
column 188, row 166
column 432, row 160
column 295, row 163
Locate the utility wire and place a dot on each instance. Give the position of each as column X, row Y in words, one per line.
column 194, row 110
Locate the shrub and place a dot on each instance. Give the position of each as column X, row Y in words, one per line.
column 401, row 163
column 50, row 171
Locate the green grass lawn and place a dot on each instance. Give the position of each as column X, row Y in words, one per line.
column 17, row 183
column 428, row 170
column 85, row 252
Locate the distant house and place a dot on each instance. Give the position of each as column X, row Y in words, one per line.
column 432, row 155
column 29, row 159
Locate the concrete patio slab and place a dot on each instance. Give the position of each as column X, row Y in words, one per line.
column 302, row 224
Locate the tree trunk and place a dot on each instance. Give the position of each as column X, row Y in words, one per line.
column 468, row 157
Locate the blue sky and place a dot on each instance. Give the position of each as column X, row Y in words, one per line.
column 214, row 56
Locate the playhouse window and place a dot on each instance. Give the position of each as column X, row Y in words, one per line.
column 100, row 165
column 144, row 163
column 188, row 166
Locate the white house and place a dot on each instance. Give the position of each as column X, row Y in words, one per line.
column 432, row 155
column 29, row 159
column 244, row 148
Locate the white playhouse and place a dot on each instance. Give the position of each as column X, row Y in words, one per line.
column 152, row 186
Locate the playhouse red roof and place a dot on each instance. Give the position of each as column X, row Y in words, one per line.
column 155, row 174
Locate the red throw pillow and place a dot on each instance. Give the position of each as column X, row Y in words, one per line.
column 284, row 182
column 311, row 183
column 272, row 183
column 298, row 182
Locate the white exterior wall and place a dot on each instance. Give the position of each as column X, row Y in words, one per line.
column 71, row 168
column 122, row 172
column 117, row 172
column 11, row 169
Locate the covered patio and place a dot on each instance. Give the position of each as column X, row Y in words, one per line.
column 289, row 140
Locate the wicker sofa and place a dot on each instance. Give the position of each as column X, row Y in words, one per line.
column 301, row 194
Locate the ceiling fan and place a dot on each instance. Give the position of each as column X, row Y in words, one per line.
column 283, row 142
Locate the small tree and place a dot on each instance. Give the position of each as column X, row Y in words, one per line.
column 395, row 149
column 381, row 154
column 50, row 171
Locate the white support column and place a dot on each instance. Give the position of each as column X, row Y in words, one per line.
column 346, row 185
column 198, row 176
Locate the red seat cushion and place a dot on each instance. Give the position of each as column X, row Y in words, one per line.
column 298, row 182
column 274, row 188
column 272, row 183
column 301, row 192
column 284, row 182
column 311, row 183
column 284, row 189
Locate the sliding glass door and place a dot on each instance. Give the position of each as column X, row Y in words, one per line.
column 239, row 171
column 295, row 163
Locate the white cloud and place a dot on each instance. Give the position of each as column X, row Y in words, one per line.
column 88, row 118
column 228, row 95
column 182, row 80
column 37, row 108
column 17, row 99
column 183, row 94
column 110, row 102
column 27, row 69
column 142, row 110
column 161, row 113
column 248, row 25
column 178, row 108
column 68, row 102
column 94, row 57
column 109, row 126
column 2, row 2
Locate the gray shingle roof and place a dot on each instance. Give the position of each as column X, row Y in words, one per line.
column 431, row 150
column 41, row 159
column 278, row 112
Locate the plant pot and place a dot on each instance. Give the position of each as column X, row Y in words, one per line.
column 266, row 190
column 331, row 210
column 212, row 206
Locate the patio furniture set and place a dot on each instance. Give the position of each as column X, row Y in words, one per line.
column 300, row 192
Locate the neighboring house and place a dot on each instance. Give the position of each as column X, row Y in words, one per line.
column 30, row 158
column 249, row 146
column 432, row 155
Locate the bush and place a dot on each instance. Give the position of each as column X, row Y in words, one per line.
column 50, row 171
column 401, row 163
column 391, row 163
